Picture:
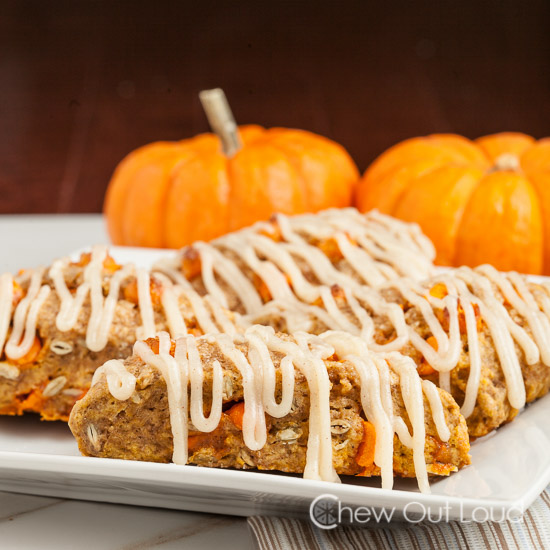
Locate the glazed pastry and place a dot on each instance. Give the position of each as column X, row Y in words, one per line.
column 286, row 258
column 482, row 335
column 486, row 339
column 58, row 325
column 322, row 406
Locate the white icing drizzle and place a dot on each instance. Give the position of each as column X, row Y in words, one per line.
column 215, row 262
column 431, row 393
column 196, row 377
column 103, row 311
column 468, row 288
column 120, row 382
column 170, row 303
column 411, row 390
column 197, row 303
column 102, row 308
column 375, row 396
column 376, row 247
column 220, row 316
column 176, row 385
column 145, row 304
column 252, row 355
column 467, row 291
column 6, row 300
column 25, row 318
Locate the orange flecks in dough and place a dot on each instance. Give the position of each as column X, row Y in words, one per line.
column 194, row 442
column 153, row 343
column 131, row 294
column 236, row 413
column 18, row 293
column 330, row 248
column 462, row 318
column 30, row 356
column 31, row 402
column 214, row 442
column 261, row 288
column 365, row 452
column 439, row 291
column 443, row 458
column 272, row 232
column 109, row 264
column 84, row 260
column 337, row 293
column 425, row 369
column 193, row 329
column 191, row 263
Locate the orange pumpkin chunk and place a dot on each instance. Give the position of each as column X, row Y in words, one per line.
column 191, row 264
column 109, row 264
column 439, row 291
column 153, row 343
column 18, row 293
column 273, row 232
column 425, row 369
column 261, row 287
column 330, row 248
column 365, row 452
column 131, row 294
column 30, row 356
column 236, row 413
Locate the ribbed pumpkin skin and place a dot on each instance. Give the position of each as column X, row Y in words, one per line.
column 169, row 194
column 482, row 201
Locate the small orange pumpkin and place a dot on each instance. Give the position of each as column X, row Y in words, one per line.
column 482, row 201
column 169, row 194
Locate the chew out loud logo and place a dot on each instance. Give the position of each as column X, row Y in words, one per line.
column 327, row 512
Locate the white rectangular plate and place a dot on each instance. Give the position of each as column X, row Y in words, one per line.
column 509, row 470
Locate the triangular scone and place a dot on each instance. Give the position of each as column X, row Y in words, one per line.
column 482, row 335
column 322, row 406
column 57, row 325
column 288, row 258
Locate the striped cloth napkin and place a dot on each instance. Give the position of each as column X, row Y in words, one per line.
column 532, row 532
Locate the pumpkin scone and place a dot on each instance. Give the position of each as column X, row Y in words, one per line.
column 288, row 258
column 58, row 325
column 480, row 334
column 319, row 405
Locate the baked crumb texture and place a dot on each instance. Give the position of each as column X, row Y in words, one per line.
column 139, row 427
column 90, row 311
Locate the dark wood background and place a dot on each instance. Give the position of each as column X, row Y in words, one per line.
column 83, row 83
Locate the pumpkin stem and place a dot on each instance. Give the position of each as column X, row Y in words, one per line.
column 507, row 161
column 221, row 120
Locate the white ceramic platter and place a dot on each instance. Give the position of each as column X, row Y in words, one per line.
column 509, row 470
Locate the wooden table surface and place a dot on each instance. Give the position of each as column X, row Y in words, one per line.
column 83, row 83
